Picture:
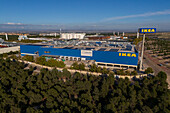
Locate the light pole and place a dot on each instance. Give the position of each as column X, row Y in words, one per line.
column 143, row 43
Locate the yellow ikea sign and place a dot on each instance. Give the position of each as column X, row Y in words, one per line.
column 147, row 30
column 127, row 54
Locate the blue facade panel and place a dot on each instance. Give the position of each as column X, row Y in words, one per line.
column 62, row 52
column 98, row 56
column 113, row 57
column 29, row 49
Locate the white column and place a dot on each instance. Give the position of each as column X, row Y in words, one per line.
column 6, row 36
column 143, row 43
column 113, row 33
column 137, row 34
column 123, row 33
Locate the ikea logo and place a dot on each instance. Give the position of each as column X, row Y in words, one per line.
column 147, row 30
column 127, row 54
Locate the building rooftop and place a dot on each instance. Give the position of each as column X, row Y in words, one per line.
column 113, row 46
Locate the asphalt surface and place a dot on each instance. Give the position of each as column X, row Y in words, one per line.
column 153, row 63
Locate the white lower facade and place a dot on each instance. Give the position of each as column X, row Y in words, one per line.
column 115, row 66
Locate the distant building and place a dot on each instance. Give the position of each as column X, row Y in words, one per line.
column 1, row 40
column 22, row 37
column 72, row 35
column 117, row 37
column 97, row 37
column 114, row 37
column 125, row 37
column 47, row 39
column 49, row 34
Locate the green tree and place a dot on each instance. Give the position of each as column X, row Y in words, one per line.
column 148, row 70
column 134, row 73
column 28, row 58
column 41, row 60
column 82, row 66
column 5, row 55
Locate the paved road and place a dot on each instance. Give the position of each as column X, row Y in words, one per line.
column 153, row 63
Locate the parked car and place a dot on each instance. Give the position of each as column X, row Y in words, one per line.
column 160, row 65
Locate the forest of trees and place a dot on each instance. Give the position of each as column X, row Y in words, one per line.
column 55, row 91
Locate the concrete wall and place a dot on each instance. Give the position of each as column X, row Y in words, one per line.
column 82, row 72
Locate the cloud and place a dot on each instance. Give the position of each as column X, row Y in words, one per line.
column 10, row 23
column 167, row 12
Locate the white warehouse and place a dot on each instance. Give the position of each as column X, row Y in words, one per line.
column 72, row 35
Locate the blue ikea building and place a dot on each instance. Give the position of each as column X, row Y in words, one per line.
column 112, row 58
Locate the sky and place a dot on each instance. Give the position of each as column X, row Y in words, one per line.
column 128, row 15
